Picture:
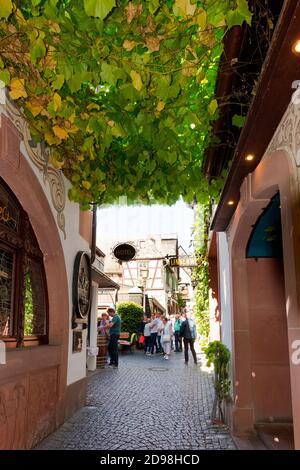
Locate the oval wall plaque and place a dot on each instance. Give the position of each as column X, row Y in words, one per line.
column 82, row 284
column 124, row 252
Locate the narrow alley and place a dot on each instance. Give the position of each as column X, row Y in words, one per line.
column 147, row 404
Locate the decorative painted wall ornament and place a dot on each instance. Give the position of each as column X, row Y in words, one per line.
column 77, row 342
column 124, row 252
column 82, row 285
column 39, row 156
column 287, row 135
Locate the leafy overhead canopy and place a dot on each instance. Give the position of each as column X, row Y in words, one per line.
column 121, row 91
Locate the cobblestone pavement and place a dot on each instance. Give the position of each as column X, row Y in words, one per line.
column 147, row 404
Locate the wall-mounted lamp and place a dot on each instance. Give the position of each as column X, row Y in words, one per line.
column 296, row 47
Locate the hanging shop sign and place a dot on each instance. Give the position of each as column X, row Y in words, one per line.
column 82, row 284
column 124, row 252
column 184, row 261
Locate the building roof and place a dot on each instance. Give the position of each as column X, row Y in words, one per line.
column 273, row 94
column 103, row 280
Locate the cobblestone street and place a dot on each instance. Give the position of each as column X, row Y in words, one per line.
column 146, row 404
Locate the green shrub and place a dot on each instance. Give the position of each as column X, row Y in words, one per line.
column 219, row 355
column 131, row 316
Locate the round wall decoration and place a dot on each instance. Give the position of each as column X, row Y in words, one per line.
column 82, row 284
column 124, row 252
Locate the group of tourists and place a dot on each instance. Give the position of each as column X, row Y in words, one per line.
column 160, row 335
column 109, row 329
column 157, row 335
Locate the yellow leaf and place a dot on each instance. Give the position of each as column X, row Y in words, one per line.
column 73, row 129
column 200, row 75
column 213, row 105
column 160, row 106
column 86, row 184
column 20, row 18
column 34, row 108
column 56, row 102
column 129, row 45
column 54, row 27
column 184, row 8
column 136, row 80
column 17, row 88
column 72, row 117
column 55, row 161
column 84, row 116
column 44, row 112
column 6, row 8
column 201, row 18
column 51, row 139
column 117, row 130
column 60, row 132
column 92, row 106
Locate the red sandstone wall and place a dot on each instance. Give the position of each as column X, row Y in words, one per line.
column 268, row 340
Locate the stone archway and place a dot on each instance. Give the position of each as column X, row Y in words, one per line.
column 266, row 303
column 40, row 371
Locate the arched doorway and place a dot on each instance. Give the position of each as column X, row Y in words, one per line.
column 33, row 381
column 265, row 298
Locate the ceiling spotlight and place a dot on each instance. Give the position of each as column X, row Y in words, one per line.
column 249, row 157
column 230, row 203
column 296, row 47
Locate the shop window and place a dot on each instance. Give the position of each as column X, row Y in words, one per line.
column 23, row 296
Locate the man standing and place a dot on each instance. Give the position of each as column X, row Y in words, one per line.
column 178, row 339
column 114, row 334
column 188, row 332
column 154, row 327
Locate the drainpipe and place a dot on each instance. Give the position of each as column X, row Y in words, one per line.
column 93, row 256
column 94, row 229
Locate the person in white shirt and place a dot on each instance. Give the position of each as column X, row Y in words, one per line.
column 154, row 326
column 167, row 337
column 159, row 347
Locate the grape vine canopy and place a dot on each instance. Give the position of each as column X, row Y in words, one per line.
column 121, row 92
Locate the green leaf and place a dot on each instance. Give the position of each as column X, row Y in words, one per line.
column 5, row 76
column 238, row 121
column 58, row 82
column 88, row 143
column 183, row 8
column 110, row 73
column 99, row 8
column 239, row 15
column 6, row 8
column 38, row 50
column 153, row 5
